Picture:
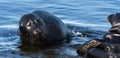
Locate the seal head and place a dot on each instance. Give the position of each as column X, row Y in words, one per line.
column 41, row 27
column 32, row 28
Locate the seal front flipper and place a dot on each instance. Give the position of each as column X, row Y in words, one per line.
column 87, row 46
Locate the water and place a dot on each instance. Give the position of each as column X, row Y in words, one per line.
column 89, row 17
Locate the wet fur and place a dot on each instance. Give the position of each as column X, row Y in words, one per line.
column 50, row 28
column 109, row 46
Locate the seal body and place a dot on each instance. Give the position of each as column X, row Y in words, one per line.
column 40, row 27
column 113, row 36
column 109, row 47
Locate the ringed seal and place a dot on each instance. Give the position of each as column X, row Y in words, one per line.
column 109, row 47
column 113, row 36
column 40, row 27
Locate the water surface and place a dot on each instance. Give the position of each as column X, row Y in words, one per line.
column 89, row 17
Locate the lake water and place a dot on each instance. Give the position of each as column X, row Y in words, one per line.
column 86, row 16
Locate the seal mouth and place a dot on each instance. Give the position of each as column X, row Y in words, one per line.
column 22, row 29
column 38, row 31
column 35, row 32
column 34, row 37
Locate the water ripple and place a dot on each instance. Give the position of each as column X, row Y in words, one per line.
column 89, row 14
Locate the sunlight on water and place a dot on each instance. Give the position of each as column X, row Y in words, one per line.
column 14, row 26
column 84, row 24
column 85, row 16
column 92, row 26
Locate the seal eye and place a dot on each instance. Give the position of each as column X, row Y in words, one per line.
column 30, row 23
column 36, row 21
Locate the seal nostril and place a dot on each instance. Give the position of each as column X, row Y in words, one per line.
column 30, row 23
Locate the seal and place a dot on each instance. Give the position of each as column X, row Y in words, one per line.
column 112, row 37
column 109, row 47
column 41, row 28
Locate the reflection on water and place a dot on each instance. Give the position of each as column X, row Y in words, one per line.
column 85, row 16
